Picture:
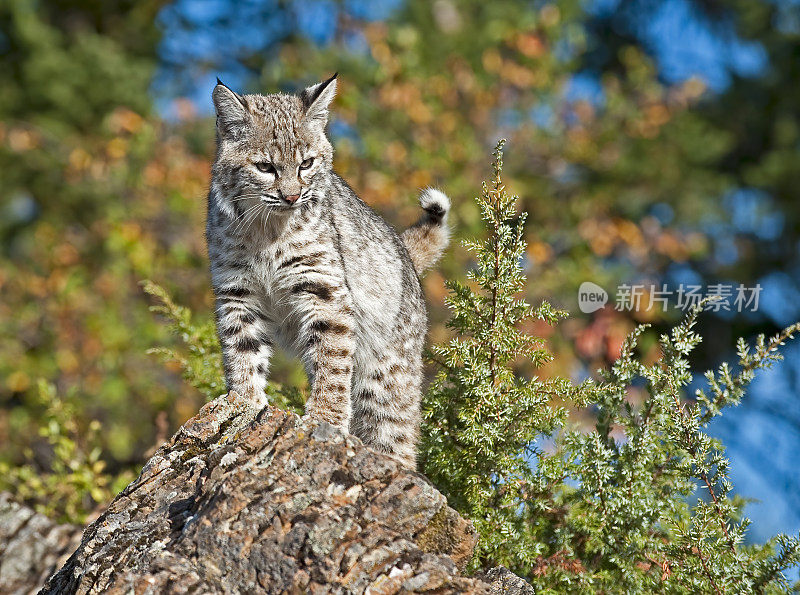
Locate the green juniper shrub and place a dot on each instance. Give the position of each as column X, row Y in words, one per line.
column 641, row 502
column 481, row 420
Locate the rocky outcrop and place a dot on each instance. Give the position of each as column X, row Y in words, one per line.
column 32, row 547
column 246, row 500
column 504, row 582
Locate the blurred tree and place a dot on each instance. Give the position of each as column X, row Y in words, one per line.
column 94, row 197
column 754, row 108
column 752, row 47
column 68, row 65
column 765, row 139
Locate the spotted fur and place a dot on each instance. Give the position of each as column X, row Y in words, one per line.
column 299, row 261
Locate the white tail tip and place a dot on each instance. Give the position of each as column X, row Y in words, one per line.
column 435, row 202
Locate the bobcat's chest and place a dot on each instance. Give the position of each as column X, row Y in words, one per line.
column 292, row 261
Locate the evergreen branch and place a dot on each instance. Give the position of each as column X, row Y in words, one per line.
column 704, row 563
column 495, row 241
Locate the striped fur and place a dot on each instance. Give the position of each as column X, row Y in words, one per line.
column 298, row 261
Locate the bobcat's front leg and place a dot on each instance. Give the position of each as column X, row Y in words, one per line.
column 327, row 328
column 246, row 339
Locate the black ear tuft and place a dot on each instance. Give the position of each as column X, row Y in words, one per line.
column 231, row 109
column 312, row 93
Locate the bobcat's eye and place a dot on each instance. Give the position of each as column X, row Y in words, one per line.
column 307, row 163
column 265, row 167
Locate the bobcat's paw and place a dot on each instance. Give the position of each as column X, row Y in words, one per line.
column 257, row 399
column 340, row 421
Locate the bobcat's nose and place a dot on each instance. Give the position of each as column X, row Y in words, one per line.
column 291, row 198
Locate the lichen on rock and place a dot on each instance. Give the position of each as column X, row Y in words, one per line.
column 245, row 499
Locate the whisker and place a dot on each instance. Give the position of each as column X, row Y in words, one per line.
column 253, row 217
column 249, row 222
column 241, row 224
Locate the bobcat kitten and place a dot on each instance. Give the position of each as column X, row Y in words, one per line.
column 298, row 260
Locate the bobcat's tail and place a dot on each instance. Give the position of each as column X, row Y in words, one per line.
column 428, row 237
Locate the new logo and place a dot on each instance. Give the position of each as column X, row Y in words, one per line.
column 591, row 297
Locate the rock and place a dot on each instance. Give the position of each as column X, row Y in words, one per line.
column 246, row 499
column 505, row 582
column 31, row 546
column 449, row 533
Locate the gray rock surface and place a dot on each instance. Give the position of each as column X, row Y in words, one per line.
column 32, row 547
column 505, row 582
column 246, row 500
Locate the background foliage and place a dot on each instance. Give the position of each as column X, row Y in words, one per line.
column 648, row 141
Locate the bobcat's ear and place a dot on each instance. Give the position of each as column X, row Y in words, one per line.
column 317, row 98
column 231, row 108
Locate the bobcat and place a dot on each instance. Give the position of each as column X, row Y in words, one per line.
column 299, row 261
